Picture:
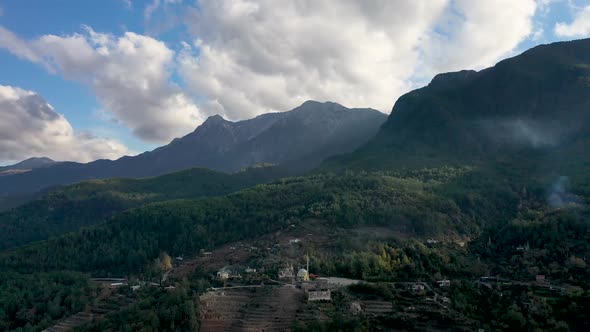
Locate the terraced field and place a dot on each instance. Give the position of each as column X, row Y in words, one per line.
column 108, row 302
column 252, row 309
column 376, row 308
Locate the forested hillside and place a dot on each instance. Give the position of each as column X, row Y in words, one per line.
column 413, row 204
column 87, row 203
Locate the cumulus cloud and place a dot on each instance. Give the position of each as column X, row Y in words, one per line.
column 130, row 75
column 255, row 57
column 29, row 127
column 475, row 34
column 251, row 57
column 579, row 27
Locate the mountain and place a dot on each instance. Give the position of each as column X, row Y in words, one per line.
column 26, row 165
column 299, row 139
column 530, row 111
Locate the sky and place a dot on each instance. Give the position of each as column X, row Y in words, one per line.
column 99, row 79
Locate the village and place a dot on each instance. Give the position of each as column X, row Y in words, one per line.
column 269, row 284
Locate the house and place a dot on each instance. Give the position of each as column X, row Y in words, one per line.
column 540, row 279
column 224, row 273
column 286, row 272
column 431, row 241
column 417, row 288
column 445, row 300
column 179, row 258
column 206, row 254
column 250, row 270
column 319, row 295
column 294, row 241
column 444, row 283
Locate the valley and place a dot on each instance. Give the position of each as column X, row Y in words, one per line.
column 467, row 210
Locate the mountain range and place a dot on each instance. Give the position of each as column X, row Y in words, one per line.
column 26, row 165
column 298, row 139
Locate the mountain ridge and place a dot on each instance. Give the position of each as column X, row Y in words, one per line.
column 300, row 138
column 532, row 106
column 26, row 165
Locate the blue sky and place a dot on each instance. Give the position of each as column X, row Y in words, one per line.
column 188, row 60
column 63, row 17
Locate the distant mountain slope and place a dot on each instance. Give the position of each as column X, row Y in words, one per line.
column 299, row 139
column 87, row 203
column 532, row 110
column 26, row 165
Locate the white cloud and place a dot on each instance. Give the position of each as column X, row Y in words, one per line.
column 130, row 75
column 475, row 34
column 128, row 4
column 251, row 57
column 17, row 46
column 579, row 27
column 256, row 57
column 538, row 34
column 545, row 5
column 29, row 127
column 153, row 6
column 150, row 9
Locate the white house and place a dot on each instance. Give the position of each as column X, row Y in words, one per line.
column 319, row 295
